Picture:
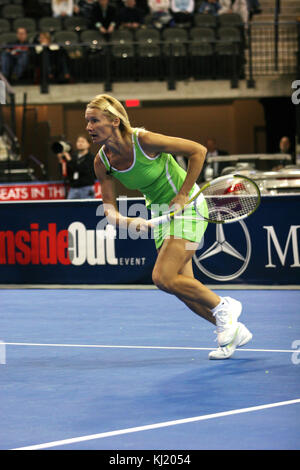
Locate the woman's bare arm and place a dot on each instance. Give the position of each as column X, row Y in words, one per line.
column 195, row 153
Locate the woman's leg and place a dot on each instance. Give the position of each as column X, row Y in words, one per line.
column 195, row 306
column 173, row 273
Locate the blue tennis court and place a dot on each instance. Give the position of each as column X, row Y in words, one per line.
column 129, row 370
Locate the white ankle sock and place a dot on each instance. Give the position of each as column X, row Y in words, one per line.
column 218, row 307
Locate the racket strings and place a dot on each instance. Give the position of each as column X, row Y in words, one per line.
column 231, row 199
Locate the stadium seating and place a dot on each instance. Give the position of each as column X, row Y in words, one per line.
column 213, row 47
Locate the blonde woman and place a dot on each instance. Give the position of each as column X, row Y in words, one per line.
column 142, row 160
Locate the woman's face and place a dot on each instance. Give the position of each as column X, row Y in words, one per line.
column 99, row 127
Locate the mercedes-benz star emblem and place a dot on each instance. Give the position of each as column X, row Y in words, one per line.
column 222, row 245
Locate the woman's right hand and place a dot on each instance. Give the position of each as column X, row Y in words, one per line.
column 135, row 224
column 138, row 224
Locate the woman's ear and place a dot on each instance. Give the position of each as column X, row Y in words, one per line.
column 116, row 122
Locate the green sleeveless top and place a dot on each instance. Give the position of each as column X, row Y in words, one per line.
column 159, row 179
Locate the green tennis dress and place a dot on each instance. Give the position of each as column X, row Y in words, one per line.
column 159, row 179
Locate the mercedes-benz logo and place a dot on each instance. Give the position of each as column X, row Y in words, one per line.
column 222, row 245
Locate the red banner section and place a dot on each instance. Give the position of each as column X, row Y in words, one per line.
column 35, row 246
column 37, row 191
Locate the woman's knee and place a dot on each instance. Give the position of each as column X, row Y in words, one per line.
column 163, row 281
column 157, row 278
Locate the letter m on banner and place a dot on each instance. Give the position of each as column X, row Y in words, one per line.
column 282, row 254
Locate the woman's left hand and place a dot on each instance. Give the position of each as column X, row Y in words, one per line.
column 179, row 201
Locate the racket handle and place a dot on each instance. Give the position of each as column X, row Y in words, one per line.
column 160, row 220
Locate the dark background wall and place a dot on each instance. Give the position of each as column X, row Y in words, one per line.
column 240, row 126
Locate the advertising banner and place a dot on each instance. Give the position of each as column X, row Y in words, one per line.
column 70, row 242
column 37, row 191
column 262, row 249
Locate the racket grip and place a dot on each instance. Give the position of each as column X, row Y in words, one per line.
column 160, row 220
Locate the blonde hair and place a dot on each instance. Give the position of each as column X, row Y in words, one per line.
column 112, row 108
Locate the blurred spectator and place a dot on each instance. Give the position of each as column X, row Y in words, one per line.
column 143, row 6
column 15, row 59
column 210, row 7
column 160, row 12
column 235, row 6
column 104, row 16
column 130, row 16
column 62, row 8
column 285, row 147
column 183, row 11
column 254, row 7
column 77, row 168
column 213, row 169
column 55, row 57
column 85, row 9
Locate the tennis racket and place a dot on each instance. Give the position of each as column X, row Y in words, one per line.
column 228, row 199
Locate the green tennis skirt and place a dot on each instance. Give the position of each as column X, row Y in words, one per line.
column 191, row 229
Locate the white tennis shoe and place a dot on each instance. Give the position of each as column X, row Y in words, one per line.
column 241, row 337
column 230, row 332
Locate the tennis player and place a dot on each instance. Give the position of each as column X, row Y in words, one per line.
column 143, row 160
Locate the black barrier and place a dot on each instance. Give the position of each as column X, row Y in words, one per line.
column 69, row 242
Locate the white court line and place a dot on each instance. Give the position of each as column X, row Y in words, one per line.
column 140, row 347
column 148, row 427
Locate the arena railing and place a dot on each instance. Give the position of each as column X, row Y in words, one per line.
column 262, row 53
